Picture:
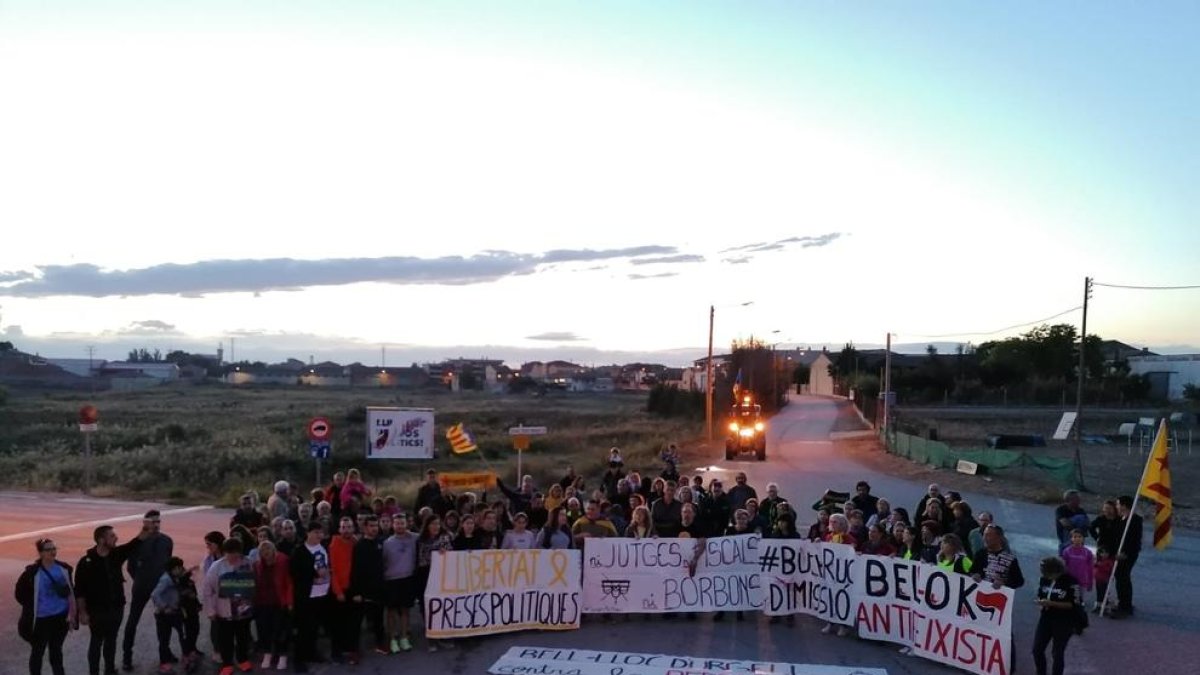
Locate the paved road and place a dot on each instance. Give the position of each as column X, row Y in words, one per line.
column 804, row 462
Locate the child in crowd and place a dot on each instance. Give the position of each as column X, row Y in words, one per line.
column 1102, row 572
column 614, row 458
column 1079, row 560
column 168, row 618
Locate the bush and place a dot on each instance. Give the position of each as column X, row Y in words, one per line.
column 671, row 401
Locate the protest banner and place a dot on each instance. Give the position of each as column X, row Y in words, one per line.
column 399, row 433
column 803, row 577
column 457, row 482
column 943, row 616
column 524, row 660
column 499, row 591
column 672, row 575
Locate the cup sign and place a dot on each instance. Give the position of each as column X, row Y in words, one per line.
column 319, row 429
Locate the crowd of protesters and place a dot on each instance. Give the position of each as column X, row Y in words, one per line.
column 307, row 569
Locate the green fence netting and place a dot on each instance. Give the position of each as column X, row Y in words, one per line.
column 940, row 455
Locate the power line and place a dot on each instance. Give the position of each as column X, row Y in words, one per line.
column 998, row 330
column 1146, row 288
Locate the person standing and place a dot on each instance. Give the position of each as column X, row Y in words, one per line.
column 1067, row 517
column 1080, row 562
column 47, row 607
column 666, row 513
column 145, row 567
column 740, row 492
column 366, row 582
column 519, row 537
column 996, row 563
column 399, row 576
column 1106, row 528
column 273, row 598
column 1127, row 557
column 168, row 614
column 592, row 524
column 310, row 590
column 1059, row 599
column 430, row 494
column 278, row 505
column 717, row 509
column 100, row 594
column 345, row 613
column 865, row 501
column 228, row 597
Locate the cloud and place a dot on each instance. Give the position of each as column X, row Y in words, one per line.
column 670, row 259
column 286, row 274
column 780, row 244
column 663, row 275
column 15, row 275
column 737, row 260
column 557, row 336
column 13, row 331
column 153, row 324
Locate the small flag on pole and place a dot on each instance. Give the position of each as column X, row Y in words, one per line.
column 1156, row 486
column 737, row 385
column 461, row 441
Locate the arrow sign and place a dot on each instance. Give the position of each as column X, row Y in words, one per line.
column 319, row 429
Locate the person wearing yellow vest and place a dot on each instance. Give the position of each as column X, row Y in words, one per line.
column 951, row 557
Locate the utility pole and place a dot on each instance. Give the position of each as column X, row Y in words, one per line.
column 708, row 378
column 887, row 382
column 91, row 350
column 1087, row 294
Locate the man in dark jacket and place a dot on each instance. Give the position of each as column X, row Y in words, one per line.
column 717, row 509
column 146, row 567
column 1127, row 557
column 310, row 583
column 100, row 594
column 518, row 501
column 366, row 581
column 740, row 492
column 865, row 501
column 995, row 562
column 430, row 494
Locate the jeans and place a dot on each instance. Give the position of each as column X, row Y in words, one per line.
column 347, row 623
column 274, row 626
column 166, row 625
column 1051, row 629
column 311, row 613
column 1124, row 578
column 105, row 627
column 136, row 606
column 49, row 631
column 233, row 640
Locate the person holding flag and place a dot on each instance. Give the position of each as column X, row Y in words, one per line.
column 1156, row 487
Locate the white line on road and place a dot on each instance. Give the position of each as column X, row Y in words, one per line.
column 94, row 523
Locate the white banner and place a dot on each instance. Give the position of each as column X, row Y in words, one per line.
column 500, row 591
column 399, row 433
column 804, row 577
column 671, row 575
column 523, row 660
column 943, row 616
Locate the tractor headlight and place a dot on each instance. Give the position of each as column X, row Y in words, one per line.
column 759, row 426
column 733, row 426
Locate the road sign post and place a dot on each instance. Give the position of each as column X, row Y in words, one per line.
column 520, row 436
column 89, row 422
column 319, row 446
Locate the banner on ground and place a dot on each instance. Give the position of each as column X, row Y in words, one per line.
column 650, row 576
column 457, row 482
column 523, row 660
column 399, row 433
column 942, row 616
column 500, row 591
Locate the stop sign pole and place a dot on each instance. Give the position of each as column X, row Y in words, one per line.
column 89, row 419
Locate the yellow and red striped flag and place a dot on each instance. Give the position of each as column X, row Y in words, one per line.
column 1156, row 486
column 461, row 441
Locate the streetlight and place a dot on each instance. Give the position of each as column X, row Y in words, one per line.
column 708, row 377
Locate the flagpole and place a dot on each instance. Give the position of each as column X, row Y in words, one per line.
column 1137, row 495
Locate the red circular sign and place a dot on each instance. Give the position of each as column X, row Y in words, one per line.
column 319, row 429
column 89, row 415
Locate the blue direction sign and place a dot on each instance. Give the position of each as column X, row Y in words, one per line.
column 318, row 449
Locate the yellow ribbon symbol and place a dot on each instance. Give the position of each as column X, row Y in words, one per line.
column 558, row 564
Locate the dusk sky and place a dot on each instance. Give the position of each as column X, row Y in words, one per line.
column 582, row 180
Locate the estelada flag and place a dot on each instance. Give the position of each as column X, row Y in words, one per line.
column 461, row 441
column 1156, row 486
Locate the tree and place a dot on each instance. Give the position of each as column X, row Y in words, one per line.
column 1191, row 392
column 6, row 346
column 800, row 374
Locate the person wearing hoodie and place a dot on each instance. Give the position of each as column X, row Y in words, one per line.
column 228, row 595
column 1080, row 561
column 100, row 594
column 47, row 602
column 346, row 614
column 273, row 598
column 168, row 613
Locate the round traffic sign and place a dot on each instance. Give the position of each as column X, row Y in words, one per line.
column 319, row 429
column 88, row 414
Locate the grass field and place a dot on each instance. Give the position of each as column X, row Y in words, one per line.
column 212, row 442
column 1108, row 470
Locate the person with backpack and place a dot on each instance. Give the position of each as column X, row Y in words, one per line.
column 47, row 602
column 1058, row 596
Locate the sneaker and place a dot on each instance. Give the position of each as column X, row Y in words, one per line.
column 907, row 651
column 245, row 666
column 432, row 646
column 395, row 646
column 281, row 664
column 843, row 631
column 352, row 659
column 446, row 644
column 266, row 662
column 827, row 629
column 226, row 670
column 405, row 645
column 382, row 651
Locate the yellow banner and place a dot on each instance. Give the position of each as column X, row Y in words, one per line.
column 468, row 481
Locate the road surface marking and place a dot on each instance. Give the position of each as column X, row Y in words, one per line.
column 95, row 523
